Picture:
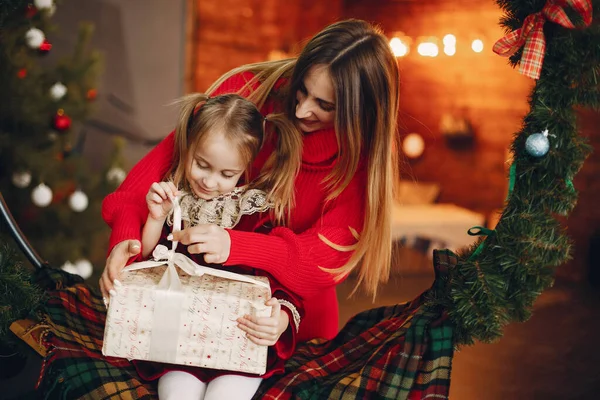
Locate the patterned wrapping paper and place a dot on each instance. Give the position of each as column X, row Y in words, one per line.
column 195, row 326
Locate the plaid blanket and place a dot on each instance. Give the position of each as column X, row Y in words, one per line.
column 398, row 352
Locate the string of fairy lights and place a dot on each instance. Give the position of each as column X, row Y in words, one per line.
column 430, row 46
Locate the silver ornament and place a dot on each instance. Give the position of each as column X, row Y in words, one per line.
column 84, row 268
column 41, row 195
column 21, row 179
column 116, row 175
column 43, row 4
column 58, row 91
column 538, row 144
column 69, row 267
column 34, row 38
column 78, row 201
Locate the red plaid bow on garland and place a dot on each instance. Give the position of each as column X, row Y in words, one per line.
column 531, row 34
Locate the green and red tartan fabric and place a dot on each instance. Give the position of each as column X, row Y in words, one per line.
column 531, row 35
column 397, row 352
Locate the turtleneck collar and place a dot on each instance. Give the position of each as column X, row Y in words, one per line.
column 319, row 147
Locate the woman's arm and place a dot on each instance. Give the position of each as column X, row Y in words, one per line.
column 300, row 261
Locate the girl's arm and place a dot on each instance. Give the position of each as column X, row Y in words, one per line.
column 160, row 203
column 151, row 235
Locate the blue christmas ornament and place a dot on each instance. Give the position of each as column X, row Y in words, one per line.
column 538, row 144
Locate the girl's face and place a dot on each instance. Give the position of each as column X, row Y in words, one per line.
column 215, row 167
column 315, row 100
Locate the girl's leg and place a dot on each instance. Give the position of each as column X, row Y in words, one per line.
column 179, row 385
column 232, row 387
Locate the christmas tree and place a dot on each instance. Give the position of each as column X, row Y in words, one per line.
column 47, row 183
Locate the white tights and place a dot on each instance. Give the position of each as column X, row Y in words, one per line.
column 179, row 385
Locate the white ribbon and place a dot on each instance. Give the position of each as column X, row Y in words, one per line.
column 170, row 294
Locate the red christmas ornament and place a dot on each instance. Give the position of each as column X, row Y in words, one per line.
column 31, row 11
column 61, row 122
column 45, row 47
column 22, row 73
column 91, row 94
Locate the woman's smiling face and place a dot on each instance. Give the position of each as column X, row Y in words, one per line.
column 315, row 100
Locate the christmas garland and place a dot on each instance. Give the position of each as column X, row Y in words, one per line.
column 497, row 280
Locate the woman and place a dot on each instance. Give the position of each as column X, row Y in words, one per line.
column 342, row 93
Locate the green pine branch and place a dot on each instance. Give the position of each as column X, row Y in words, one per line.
column 18, row 296
column 498, row 285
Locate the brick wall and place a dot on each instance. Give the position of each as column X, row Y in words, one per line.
column 230, row 33
column 478, row 86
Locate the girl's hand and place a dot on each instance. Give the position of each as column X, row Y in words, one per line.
column 265, row 331
column 208, row 239
column 159, row 199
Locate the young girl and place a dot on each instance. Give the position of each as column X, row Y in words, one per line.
column 216, row 141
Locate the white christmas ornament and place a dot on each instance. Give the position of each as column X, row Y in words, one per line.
column 41, row 195
column 78, row 201
column 34, row 38
column 21, row 179
column 84, row 268
column 116, row 175
column 43, row 4
column 58, row 91
column 70, row 268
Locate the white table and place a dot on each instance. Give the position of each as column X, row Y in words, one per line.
column 446, row 225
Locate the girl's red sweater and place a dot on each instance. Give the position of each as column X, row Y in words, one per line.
column 295, row 254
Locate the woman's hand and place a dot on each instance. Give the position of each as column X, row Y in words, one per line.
column 265, row 331
column 116, row 261
column 208, row 239
column 159, row 199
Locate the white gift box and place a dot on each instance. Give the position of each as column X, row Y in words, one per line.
column 186, row 315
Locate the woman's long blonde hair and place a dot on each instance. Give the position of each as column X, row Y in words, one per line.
column 366, row 83
column 242, row 123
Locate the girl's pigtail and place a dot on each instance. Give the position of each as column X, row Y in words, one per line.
column 279, row 172
column 188, row 107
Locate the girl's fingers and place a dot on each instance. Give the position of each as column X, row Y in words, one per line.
column 257, row 334
column 275, row 307
column 173, row 188
column 265, row 325
column 169, row 189
column 157, row 188
column 260, row 342
column 156, row 198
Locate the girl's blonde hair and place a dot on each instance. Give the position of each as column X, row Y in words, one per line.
column 242, row 123
column 366, row 82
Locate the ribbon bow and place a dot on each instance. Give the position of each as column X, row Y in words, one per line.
column 531, row 35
